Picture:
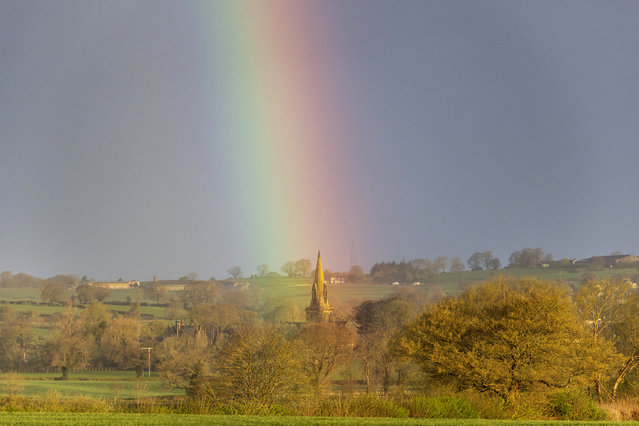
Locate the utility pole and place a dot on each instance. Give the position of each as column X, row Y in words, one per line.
column 148, row 351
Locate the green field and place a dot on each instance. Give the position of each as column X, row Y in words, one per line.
column 21, row 418
column 296, row 291
column 90, row 384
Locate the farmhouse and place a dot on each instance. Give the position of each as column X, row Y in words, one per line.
column 115, row 285
column 171, row 285
column 337, row 279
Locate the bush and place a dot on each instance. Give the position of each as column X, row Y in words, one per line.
column 574, row 404
column 363, row 406
column 446, row 407
column 370, row 406
column 623, row 410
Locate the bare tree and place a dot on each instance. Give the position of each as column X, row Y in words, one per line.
column 327, row 346
column 456, row 265
column 303, row 267
column 439, row 264
column 235, row 272
column 263, row 270
column 289, row 268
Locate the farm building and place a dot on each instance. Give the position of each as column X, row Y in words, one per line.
column 115, row 285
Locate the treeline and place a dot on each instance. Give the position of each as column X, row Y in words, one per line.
column 22, row 280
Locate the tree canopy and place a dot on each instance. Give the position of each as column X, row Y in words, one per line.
column 504, row 336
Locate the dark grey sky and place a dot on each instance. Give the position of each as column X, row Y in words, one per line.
column 475, row 125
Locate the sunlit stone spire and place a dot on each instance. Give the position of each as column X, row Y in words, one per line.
column 319, row 309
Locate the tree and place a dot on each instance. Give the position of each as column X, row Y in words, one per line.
column 289, row 268
column 87, row 293
column 5, row 279
column 493, row 263
column 95, row 319
column 356, row 274
column 184, row 363
column 120, row 342
column 175, row 309
column 483, row 260
column 15, row 341
column 383, row 315
column 156, row 291
column 258, row 365
column 285, row 313
column 303, row 267
column 421, row 265
column 189, row 277
column 200, row 292
column 235, row 272
column 263, row 270
column 439, row 264
column 376, row 321
column 70, row 349
column 624, row 333
column 65, row 281
column 53, row 292
column 609, row 310
column 135, row 311
column 219, row 320
column 504, row 336
column 526, row 258
column 456, row 265
column 326, row 347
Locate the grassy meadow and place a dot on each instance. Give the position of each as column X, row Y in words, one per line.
column 106, row 385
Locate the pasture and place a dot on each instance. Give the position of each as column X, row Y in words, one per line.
column 108, row 385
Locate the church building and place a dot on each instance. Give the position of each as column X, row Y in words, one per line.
column 319, row 310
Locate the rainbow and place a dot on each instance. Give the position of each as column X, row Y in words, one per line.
column 284, row 125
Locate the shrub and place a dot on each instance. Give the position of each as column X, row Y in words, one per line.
column 623, row 410
column 446, row 407
column 487, row 407
column 574, row 404
column 363, row 406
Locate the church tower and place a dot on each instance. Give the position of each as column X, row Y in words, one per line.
column 319, row 310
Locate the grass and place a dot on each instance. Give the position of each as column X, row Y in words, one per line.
column 17, row 418
column 114, row 389
column 107, row 385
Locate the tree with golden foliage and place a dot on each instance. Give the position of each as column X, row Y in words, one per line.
column 611, row 311
column 120, row 342
column 70, row 349
column 504, row 337
column 258, row 365
column 184, row 363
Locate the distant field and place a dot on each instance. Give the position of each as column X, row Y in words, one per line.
column 91, row 384
column 297, row 290
column 191, row 419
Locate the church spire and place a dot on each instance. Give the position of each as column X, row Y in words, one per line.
column 319, row 309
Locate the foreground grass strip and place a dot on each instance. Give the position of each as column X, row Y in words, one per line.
column 190, row 419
